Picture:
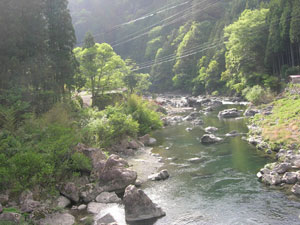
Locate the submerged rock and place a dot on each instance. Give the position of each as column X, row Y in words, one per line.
column 211, row 129
column 195, row 160
column 230, row 113
column 138, row 206
column 210, row 139
column 233, row 133
column 162, row 175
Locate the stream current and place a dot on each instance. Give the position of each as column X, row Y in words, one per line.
column 222, row 188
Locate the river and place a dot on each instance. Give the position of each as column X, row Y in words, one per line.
column 223, row 188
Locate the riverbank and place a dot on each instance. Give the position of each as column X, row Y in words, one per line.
column 276, row 130
column 180, row 150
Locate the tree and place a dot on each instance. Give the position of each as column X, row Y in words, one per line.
column 102, row 67
column 135, row 81
column 246, row 41
column 60, row 44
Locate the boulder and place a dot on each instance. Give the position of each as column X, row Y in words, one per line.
column 138, row 183
column 94, row 154
column 70, row 191
column 138, row 206
column 58, row 219
column 82, row 207
column 162, row 175
column 106, row 219
column 25, row 195
column 211, row 129
column 89, row 192
column 147, row 140
column 290, row 177
column 210, row 139
column 282, row 168
column 10, row 217
column 296, row 189
column 29, row 205
column 133, row 144
column 296, row 164
column 63, row 202
column 108, row 197
column 272, row 178
column 193, row 102
column 230, row 113
column 254, row 140
column 251, row 112
column 116, row 176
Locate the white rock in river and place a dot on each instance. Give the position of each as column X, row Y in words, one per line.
column 211, row 129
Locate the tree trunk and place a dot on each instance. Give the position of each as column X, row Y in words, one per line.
column 292, row 55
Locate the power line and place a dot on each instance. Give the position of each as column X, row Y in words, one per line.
column 180, row 57
column 184, row 52
column 189, row 52
column 167, row 24
column 148, row 15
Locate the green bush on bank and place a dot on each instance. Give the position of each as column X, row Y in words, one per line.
column 40, row 150
column 258, row 95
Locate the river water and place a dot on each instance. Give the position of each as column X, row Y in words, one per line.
column 223, row 188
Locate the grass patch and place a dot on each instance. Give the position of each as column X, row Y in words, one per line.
column 283, row 125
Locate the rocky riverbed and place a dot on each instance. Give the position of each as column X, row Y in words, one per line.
column 111, row 194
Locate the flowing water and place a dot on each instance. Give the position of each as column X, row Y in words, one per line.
column 223, row 188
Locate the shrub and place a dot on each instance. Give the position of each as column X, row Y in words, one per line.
column 79, row 162
column 258, row 95
column 141, row 111
column 110, row 126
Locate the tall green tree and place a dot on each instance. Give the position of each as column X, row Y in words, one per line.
column 245, row 50
column 102, row 67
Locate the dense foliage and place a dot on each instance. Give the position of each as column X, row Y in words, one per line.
column 41, row 151
column 37, row 39
column 213, row 47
